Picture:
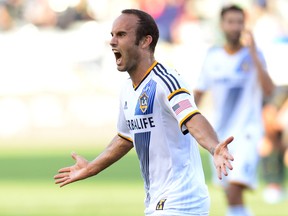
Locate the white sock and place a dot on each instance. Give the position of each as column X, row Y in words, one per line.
column 238, row 210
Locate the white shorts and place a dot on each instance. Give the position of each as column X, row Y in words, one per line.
column 201, row 210
column 245, row 152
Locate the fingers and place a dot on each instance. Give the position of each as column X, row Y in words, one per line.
column 227, row 156
column 65, row 183
column 65, row 169
column 223, row 158
column 224, row 149
column 68, row 169
column 62, row 179
column 74, row 155
column 61, row 175
column 228, row 140
column 230, row 157
column 228, row 164
column 219, row 173
column 223, row 169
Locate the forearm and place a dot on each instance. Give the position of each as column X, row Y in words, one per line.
column 263, row 76
column 113, row 152
column 205, row 135
column 203, row 132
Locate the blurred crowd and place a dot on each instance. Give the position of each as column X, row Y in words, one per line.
column 61, row 47
column 41, row 13
column 171, row 15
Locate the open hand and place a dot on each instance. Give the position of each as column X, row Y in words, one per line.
column 73, row 173
column 222, row 157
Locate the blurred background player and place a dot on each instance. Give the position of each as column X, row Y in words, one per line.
column 273, row 150
column 237, row 77
column 264, row 15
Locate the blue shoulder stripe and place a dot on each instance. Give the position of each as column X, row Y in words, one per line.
column 173, row 77
column 169, row 80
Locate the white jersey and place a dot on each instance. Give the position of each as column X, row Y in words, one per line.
column 152, row 116
column 235, row 89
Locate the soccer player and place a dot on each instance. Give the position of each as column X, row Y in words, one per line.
column 237, row 78
column 156, row 115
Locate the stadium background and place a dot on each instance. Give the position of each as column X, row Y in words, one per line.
column 59, row 93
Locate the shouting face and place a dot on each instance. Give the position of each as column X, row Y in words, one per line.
column 124, row 44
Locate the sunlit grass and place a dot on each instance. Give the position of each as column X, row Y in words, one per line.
column 27, row 187
column 78, row 199
column 100, row 198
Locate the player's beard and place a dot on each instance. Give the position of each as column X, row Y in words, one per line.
column 130, row 62
column 233, row 38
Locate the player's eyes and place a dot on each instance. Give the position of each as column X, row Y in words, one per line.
column 119, row 34
column 122, row 34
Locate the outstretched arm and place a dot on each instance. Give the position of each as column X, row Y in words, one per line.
column 83, row 169
column 205, row 135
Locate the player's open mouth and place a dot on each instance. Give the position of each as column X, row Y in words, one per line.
column 118, row 56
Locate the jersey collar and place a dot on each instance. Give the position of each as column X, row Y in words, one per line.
column 146, row 74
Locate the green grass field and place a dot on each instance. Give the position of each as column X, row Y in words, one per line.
column 27, row 187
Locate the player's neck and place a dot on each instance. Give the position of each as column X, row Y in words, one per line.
column 141, row 71
column 232, row 48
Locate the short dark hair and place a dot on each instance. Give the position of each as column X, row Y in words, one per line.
column 229, row 8
column 146, row 26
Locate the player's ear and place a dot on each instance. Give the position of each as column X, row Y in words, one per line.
column 146, row 41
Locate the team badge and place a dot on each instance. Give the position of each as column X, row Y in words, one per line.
column 245, row 66
column 160, row 204
column 143, row 101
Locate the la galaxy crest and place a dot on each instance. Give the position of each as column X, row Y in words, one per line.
column 146, row 98
column 245, row 66
column 143, row 102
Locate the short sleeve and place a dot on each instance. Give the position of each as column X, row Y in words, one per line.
column 181, row 103
column 122, row 128
column 183, row 108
